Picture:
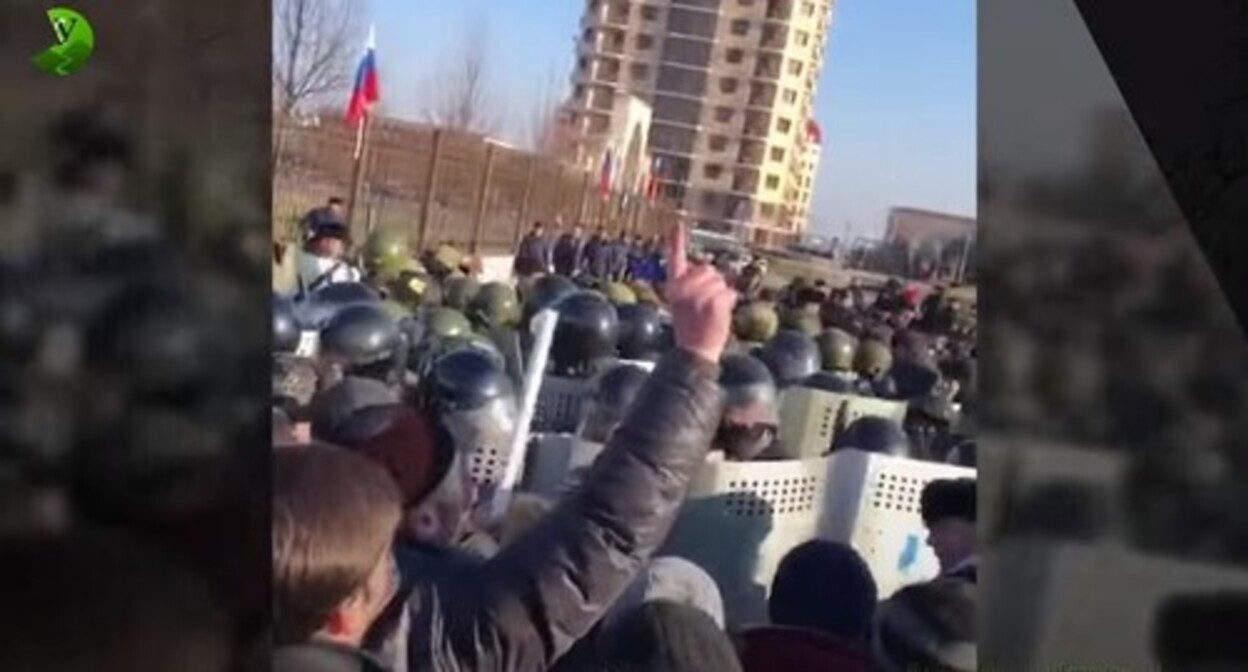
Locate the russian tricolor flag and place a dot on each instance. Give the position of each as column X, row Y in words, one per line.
column 367, row 91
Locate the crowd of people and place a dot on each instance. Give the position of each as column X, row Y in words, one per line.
column 388, row 556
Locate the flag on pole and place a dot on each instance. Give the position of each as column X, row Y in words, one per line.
column 652, row 181
column 606, row 180
column 367, row 91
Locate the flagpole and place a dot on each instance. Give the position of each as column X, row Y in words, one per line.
column 357, row 177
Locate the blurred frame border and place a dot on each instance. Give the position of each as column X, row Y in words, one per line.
column 1113, row 184
column 188, row 90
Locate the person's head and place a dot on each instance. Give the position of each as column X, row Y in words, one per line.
column 824, row 586
column 287, row 431
column 671, row 579
column 948, row 510
column 334, row 517
column 663, row 636
column 337, row 207
column 538, row 228
column 927, row 626
column 420, row 453
column 751, row 408
column 329, row 240
column 578, row 231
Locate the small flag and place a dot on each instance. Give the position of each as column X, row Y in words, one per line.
column 367, row 91
column 606, row 180
column 652, row 184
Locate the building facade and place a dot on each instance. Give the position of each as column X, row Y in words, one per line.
column 731, row 86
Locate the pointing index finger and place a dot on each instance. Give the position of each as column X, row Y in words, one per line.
column 677, row 254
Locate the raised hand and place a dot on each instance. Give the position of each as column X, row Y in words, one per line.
column 700, row 301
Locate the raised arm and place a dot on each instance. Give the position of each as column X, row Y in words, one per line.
column 538, row 596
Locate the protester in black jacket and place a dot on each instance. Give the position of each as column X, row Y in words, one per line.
column 522, row 609
column 568, row 252
column 532, row 253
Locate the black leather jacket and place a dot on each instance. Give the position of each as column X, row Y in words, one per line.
column 524, row 608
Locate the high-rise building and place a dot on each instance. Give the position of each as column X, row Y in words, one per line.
column 731, row 85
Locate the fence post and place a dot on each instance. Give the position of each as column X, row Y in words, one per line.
column 524, row 201
column 487, row 176
column 431, row 183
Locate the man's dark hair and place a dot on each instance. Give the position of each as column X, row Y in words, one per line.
column 825, row 586
column 336, row 200
column 334, row 515
column 946, row 498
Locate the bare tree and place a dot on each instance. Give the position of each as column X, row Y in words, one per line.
column 548, row 132
column 314, row 44
column 460, row 95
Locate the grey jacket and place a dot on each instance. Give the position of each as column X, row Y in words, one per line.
column 524, row 608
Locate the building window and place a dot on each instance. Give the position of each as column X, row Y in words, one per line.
column 746, row 3
column 640, row 71
column 588, row 35
column 803, row 38
column 773, row 182
column 728, row 85
column 713, row 171
column 795, row 67
column 579, row 92
column 741, row 27
column 808, row 8
column 784, row 125
column 645, row 42
column 767, row 209
column 723, row 115
column 718, row 143
column 777, row 153
column 790, row 96
column 650, row 13
column 734, row 56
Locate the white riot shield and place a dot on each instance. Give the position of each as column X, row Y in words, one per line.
column 872, row 504
column 808, row 417
column 741, row 519
column 553, row 458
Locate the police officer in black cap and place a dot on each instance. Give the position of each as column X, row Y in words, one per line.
column 874, row 434
column 641, row 332
column 792, row 357
column 365, row 355
column 749, row 429
column 586, row 334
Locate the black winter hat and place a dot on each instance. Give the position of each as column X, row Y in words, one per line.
column 825, row 586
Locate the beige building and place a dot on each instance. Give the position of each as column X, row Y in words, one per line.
column 731, row 86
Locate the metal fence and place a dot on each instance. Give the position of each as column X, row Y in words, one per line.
column 442, row 186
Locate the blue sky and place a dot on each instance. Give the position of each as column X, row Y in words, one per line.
column 897, row 99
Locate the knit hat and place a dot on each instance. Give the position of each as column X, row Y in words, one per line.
column 664, row 636
column 928, row 626
column 825, row 586
column 416, row 450
column 942, row 499
column 672, row 579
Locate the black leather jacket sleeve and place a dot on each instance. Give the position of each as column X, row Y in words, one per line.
column 526, row 607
